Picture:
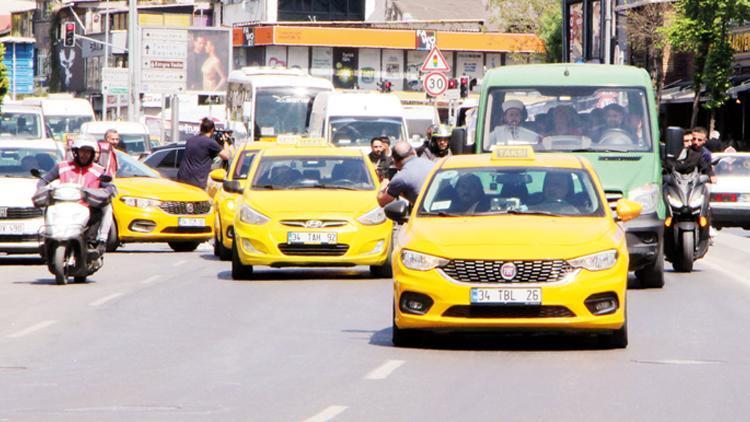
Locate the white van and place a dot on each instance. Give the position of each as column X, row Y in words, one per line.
column 352, row 119
column 20, row 121
column 419, row 118
column 134, row 137
column 64, row 114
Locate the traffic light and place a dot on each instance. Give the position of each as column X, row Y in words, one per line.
column 385, row 86
column 69, row 35
column 464, row 86
column 452, row 83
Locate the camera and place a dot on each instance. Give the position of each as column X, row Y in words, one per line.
column 223, row 136
column 390, row 172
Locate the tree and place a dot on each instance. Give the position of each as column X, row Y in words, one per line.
column 4, row 84
column 701, row 27
column 541, row 17
column 550, row 31
column 648, row 42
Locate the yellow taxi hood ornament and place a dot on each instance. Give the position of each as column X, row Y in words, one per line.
column 516, row 152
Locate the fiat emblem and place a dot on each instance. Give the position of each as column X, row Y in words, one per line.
column 313, row 224
column 3, row 212
column 189, row 207
column 508, row 271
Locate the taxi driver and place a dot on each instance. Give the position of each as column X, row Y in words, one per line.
column 512, row 132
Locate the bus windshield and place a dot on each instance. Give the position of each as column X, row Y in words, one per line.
column 580, row 119
column 283, row 110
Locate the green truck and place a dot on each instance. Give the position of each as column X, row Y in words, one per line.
column 602, row 112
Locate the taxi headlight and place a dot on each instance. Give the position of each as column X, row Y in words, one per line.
column 140, row 202
column 372, row 217
column 595, row 262
column 421, row 262
column 647, row 195
column 250, row 216
column 674, row 201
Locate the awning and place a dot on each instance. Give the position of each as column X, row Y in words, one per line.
column 16, row 6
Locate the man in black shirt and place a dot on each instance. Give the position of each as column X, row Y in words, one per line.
column 378, row 156
column 200, row 151
column 689, row 159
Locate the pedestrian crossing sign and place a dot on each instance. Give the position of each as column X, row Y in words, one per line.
column 435, row 62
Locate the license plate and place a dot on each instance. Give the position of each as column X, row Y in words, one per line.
column 312, row 238
column 191, row 222
column 515, row 296
column 13, row 228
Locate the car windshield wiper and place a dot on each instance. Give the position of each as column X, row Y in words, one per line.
column 323, row 186
column 519, row 212
column 269, row 187
column 444, row 214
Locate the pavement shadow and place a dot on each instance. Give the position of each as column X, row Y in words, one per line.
column 495, row 341
column 301, row 274
column 51, row 282
column 21, row 260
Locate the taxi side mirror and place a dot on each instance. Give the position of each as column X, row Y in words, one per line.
column 232, row 186
column 458, row 141
column 397, row 211
column 627, row 210
column 218, row 175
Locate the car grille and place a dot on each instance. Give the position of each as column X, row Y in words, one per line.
column 475, row 271
column 19, row 212
column 185, row 208
column 313, row 250
column 508, row 311
column 312, row 223
column 612, row 197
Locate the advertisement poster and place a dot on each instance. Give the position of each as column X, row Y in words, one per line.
column 414, row 61
column 575, row 38
column 345, row 67
column 299, row 58
column 276, row 56
column 393, row 68
column 369, row 68
column 596, row 28
column 322, row 62
column 208, row 60
column 471, row 65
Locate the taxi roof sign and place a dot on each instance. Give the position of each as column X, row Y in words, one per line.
column 522, row 152
column 299, row 141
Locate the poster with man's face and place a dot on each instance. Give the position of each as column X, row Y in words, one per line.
column 207, row 60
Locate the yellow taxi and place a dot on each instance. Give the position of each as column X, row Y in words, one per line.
column 310, row 204
column 227, row 186
column 511, row 241
column 150, row 208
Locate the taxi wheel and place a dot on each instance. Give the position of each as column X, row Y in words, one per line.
column 617, row 339
column 220, row 251
column 112, row 240
column 382, row 271
column 653, row 275
column 183, row 246
column 240, row 271
column 402, row 337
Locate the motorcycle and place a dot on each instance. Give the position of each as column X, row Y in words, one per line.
column 66, row 229
column 686, row 232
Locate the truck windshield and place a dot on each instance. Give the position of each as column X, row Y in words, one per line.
column 283, row 110
column 358, row 131
column 580, row 119
column 66, row 124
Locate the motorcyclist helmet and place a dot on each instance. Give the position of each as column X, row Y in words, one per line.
column 441, row 131
column 84, row 142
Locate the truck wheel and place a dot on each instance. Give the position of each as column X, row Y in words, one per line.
column 59, row 256
column 653, row 275
column 239, row 270
column 183, row 246
column 684, row 261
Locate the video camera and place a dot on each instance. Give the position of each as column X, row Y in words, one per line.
column 222, row 136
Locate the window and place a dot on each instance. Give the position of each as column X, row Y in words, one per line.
column 321, row 10
column 170, row 159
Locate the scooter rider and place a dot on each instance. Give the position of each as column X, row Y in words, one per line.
column 438, row 145
column 688, row 159
column 82, row 170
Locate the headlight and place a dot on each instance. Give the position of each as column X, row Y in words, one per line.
column 647, row 195
column 250, row 216
column 67, row 193
column 140, row 202
column 674, row 201
column 372, row 217
column 421, row 262
column 696, row 199
column 595, row 262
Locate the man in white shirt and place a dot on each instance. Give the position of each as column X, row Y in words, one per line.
column 512, row 133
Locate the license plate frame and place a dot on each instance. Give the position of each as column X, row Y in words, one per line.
column 191, row 222
column 512, row 296
column 312, row 238
column 11, row 228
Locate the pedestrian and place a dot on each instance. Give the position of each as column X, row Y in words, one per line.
column 412, row 174
column 378, row 156
column 200, row 150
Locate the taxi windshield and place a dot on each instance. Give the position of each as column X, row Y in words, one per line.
column 349, row 173
column 358, row 131
column 733, row 166
column 130, row 167
column 491, row 191
column 18, row 162
column 283, row 110
column 580, row 119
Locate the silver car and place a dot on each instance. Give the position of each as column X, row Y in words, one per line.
column 730, row 195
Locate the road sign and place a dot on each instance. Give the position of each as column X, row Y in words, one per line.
column 435, row 62
column 115, row 81
column 164, row 60
column 435, row 84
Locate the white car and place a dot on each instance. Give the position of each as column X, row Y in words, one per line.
column 20, row 222
column 730, row 195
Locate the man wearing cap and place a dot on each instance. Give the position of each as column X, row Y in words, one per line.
column 512, row 133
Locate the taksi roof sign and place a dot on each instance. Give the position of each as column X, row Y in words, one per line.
column 435, row 62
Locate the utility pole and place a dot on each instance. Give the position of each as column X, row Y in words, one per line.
column 106, row 59
column 133, row 61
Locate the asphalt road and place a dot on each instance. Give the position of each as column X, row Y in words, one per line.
column 161, row 336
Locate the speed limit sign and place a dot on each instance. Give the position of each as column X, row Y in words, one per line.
column 435, row 84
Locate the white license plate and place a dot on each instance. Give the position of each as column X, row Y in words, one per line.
column 514, row 296
column 191, row 222
column 11, row 228
column 312, row 238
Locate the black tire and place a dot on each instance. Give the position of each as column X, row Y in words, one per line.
column 220, row 251
column 403, row 337
column 239, row 270
column 79, row 279
column 59, row 256
column 617, row 339
column 113, row 241
column 684, row 261
column 382, row 271
column 653, row 275
column 183, row 246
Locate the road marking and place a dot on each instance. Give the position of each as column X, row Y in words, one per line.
column 105, row 299
column 178, row 263
column 327, row 414
column 680, row 362
column 382, row 371
column 150, row 279
column 35, row 327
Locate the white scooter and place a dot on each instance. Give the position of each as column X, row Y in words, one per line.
column 66, row 222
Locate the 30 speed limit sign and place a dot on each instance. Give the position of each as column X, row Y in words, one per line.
column 435, row 84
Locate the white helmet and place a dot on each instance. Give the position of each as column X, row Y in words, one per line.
column 85, row 142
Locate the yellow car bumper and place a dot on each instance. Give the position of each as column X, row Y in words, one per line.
column 154, row 225
column 357, row 244
column 563, row 303
column 224, row 219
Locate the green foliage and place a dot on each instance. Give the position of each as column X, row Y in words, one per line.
column 550, row 31
column 541, row 17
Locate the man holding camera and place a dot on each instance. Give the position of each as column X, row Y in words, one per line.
column 412, row 174
column 200, row 151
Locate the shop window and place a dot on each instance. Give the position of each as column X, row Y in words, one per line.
column 321, row 10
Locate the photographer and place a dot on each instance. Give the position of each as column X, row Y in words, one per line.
column 412, row 173
column 200, row 151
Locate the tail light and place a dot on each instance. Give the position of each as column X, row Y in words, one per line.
column 723, row 197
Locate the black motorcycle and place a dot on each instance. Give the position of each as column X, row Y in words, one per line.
column 686, row 231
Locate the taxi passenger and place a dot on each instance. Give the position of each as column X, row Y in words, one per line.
column 470, row 197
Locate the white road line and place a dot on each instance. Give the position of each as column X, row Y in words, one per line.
column 178, row 263
column 327, row 414
column 35, row 327
column 382, row 371
column 105, row 299
column 150, row 279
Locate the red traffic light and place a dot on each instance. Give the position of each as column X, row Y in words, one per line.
column 452, row 83
column 70, row 26
column 69, row 35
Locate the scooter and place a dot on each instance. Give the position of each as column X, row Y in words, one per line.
column 66, row 225
column 686, row 231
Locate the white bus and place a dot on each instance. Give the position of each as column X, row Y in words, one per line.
column 272, row 101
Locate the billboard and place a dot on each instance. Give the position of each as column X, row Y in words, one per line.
column 208, row 60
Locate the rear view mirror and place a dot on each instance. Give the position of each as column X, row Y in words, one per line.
column 703, row 179
column 218, row 175
column 232, row 186
column 674, row 141
column 458, row 141
column 397, row 211
column 627, row 209
column 36, row 173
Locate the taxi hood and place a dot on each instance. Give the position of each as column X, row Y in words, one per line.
column 158, row 188
column 511, row 236
column 303, row 202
